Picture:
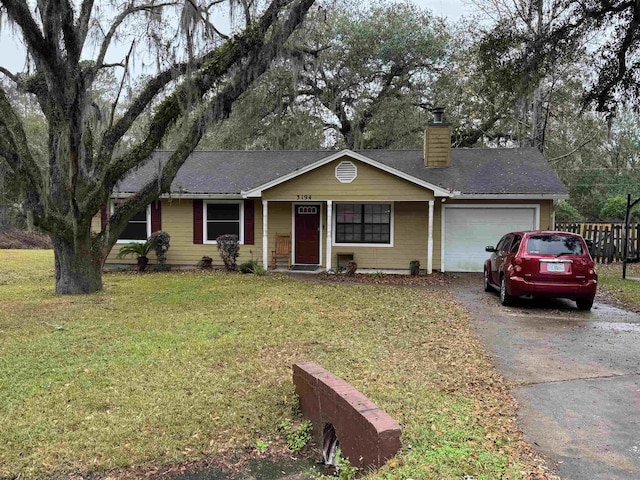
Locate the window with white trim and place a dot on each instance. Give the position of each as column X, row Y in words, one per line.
column 223, row 218
column 138, row 227
column 363, row 223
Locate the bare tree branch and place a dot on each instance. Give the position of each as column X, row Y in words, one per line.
column 8, row 74
column 106, row 42
column 585, row 142
column 124, row 76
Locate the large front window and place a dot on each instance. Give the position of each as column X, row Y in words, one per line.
column 363, row 223
column 222, row 218
column 138, row 227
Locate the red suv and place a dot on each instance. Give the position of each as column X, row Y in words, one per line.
column 541, row 264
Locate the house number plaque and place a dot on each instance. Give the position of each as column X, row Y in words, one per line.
column 304, row 197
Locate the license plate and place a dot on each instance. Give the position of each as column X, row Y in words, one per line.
column 555, row 267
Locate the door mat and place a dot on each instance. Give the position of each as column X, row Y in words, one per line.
column 304, row 268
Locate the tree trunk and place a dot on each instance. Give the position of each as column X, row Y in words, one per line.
column 78, row 269
column 537, row 120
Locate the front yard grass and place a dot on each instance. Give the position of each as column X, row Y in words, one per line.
column 627, row 291
column 178, row 367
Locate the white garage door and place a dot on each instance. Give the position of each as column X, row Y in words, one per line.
column 467, row 231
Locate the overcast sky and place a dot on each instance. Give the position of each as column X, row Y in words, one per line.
column 12, row 56
column 451, row 9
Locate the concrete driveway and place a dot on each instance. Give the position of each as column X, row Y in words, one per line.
column 577, row 377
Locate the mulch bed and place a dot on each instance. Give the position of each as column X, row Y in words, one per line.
column 436, row 279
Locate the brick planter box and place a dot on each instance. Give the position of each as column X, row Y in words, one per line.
column 368, row 435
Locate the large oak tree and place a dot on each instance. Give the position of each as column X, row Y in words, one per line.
column 201, row 72
column 359, row 75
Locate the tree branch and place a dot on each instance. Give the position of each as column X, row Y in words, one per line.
column 124, row 76
column 106, row 42
column 618, row 68
column 71, row 40
column 16, row 151
column 83, row 20
column 469, row 139
column 8, row 74
column 227, row 54
column 218, row 63
column 555, row 160
column 19, row 12
column 219, row 107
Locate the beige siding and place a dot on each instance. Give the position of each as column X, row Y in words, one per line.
column 409, row 241
column 279, row 222
column 546, row 215
column 410, row 236
column 410, row 233
column 371, row 184
column 177, row 221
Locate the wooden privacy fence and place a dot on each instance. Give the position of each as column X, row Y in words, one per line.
column 606, row 240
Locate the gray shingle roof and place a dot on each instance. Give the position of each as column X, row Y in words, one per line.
column 472, row 171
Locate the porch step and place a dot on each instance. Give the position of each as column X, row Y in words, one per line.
column 304, row 268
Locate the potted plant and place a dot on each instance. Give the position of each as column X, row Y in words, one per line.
column 205, row 262
column 139, row 249
column 414, row 267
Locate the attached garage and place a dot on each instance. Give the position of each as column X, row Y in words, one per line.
column 468, row 229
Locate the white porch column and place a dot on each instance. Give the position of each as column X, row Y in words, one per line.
column 329, row 233
column 265, row 234
column 430, row 240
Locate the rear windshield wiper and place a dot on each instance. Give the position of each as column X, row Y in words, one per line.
column 566, row 253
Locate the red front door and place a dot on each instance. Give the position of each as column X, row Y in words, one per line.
column 307, row 242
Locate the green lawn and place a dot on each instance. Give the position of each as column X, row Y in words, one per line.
column 625, row 291
column 177, row 367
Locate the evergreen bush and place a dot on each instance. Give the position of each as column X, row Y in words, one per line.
column 160, row 243
column 229, row 249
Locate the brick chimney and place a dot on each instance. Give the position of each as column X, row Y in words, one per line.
column 437, row 141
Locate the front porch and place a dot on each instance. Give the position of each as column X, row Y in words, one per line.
column 383, row 236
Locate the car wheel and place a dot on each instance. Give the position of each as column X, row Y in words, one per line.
column 487, row 287
column 584, row 303
column 505, row 298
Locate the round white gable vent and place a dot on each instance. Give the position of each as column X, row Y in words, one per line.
column 346, row 172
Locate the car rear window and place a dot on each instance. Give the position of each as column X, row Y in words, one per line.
column 554, row 245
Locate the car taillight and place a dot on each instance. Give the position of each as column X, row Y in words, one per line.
column 518, row 266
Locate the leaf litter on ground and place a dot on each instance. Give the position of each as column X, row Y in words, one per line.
column 158, row 373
